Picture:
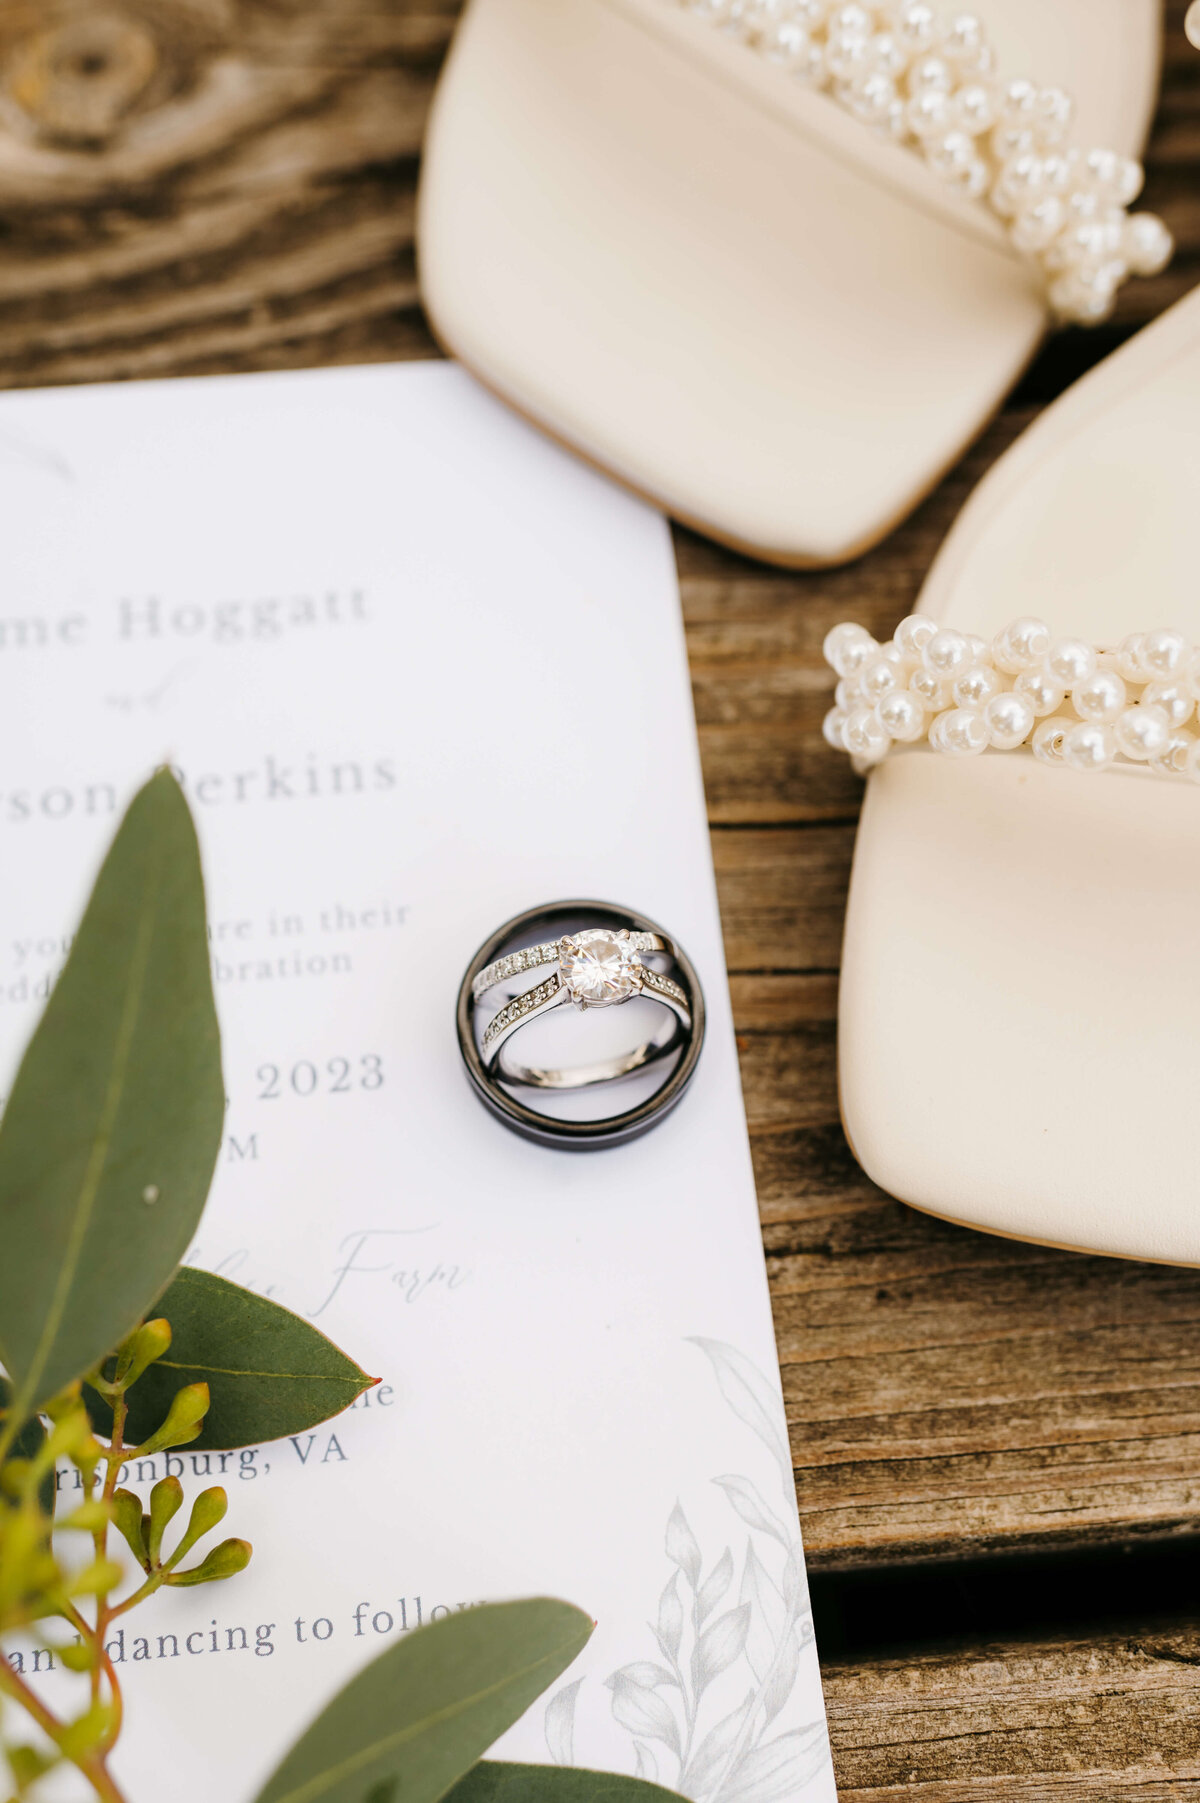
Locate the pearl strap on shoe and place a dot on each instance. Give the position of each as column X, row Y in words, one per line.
column 1063, row 699
column 929, row 84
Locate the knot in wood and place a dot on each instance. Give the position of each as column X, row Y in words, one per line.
column 79, row 79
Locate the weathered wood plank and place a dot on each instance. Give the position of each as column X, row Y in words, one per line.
column 1111, row 1719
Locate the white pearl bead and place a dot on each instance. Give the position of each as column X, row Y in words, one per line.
column 1071, row 661
column 1009, row 719
column 877, row 678
column 978, row 647
column 975, row 107
column 865, row 736
column 1129, row 658
column 1100, row 698
column 1053, row 109
column 1038, row 225
column 1172, row 761
column 1049, row 739
column 977, row 684
column 847, row 694
column 869, row 96
column 1191, row 24
column 848, row 56
column 914, row 633
column 832, row 728
column 946, row 653
column 889, row 54
column 1059, row 171
column 791, row 46
column 1142, row 732
column 1089, row 746
column 1009, row 139
column 952, row 155
column 1173, row 698
column 1092, row 242
column 930, row 75
column 962, row 733
column 916, row 26
column 847, row 647
column 1039, row 688
column 1114, row 178
column 1146, row 243
column 902, row 715
column 932, row 691
column 1162, row 653
column 930, row 115
column 1021, row 645
column 1191, row 675
column 1089, row 302
column 964, row 37
column 1019, row 102
column 1191, row 761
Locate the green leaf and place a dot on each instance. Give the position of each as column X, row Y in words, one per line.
column 423, row 1713
column 269, row 1372
column 109, row 1139
column 496, row 1782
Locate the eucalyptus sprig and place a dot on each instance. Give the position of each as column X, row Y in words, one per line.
column 115, row 1353
column 38, row 1584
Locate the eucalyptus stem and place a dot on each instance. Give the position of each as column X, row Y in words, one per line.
column 91, row 1765
column 114, row 1459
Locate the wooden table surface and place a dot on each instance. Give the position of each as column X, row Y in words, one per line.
column 997, row 1447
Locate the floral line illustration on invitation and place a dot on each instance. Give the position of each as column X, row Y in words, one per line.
column 749, row 1618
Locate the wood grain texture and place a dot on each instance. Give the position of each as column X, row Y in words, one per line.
column 1113, row 1717
column 215, row 185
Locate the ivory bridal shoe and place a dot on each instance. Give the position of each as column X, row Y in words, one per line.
column 774, row 262
column 1020, row 990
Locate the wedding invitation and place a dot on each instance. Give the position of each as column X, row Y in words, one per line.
column 417, row 670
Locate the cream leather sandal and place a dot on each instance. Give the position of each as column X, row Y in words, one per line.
column 1020, row 1000
column 652, row 227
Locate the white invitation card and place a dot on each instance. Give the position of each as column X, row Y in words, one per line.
column 418, row 670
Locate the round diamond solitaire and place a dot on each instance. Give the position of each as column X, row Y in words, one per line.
column 599, row 967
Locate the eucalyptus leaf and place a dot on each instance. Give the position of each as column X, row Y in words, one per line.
column 418, row 1718
column 112, row 1129
column 494, row 1781
column 269, row 1372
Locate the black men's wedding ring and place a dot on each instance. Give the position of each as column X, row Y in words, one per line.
column 579, row 956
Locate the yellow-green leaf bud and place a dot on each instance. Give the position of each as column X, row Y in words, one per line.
column 185, row 1417
column 131, row 1524
column 84, row 1736
column 150, row 1342
column 166, row 1500
column 91, row 1516
column 96, row 1579
column 28, row 1764
column 224, row 1561
column 207, row 1510
column 78, row 1656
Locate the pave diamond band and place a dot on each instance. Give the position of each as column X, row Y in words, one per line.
column 567, row 959
column 516, row 963
column 597, row 967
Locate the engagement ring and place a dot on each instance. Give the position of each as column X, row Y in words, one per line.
column 604, row 957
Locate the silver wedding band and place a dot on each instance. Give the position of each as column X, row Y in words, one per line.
column 585, row 955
